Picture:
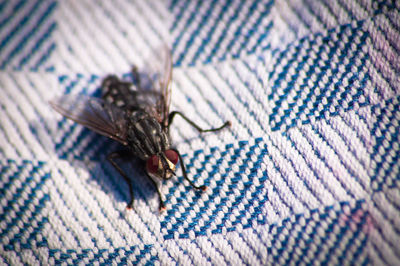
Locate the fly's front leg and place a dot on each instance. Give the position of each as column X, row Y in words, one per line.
column 203, row 188
column 111, row 158
column 162, row 205
column 136, row 76
column 173, row 114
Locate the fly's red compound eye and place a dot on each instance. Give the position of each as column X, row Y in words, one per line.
column 172, row 156
column 152, row 164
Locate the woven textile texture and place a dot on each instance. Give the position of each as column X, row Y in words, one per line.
column 308, row 173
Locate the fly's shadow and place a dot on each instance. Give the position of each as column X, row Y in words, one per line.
column 109, row 179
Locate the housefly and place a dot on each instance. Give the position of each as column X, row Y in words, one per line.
column 136, row 114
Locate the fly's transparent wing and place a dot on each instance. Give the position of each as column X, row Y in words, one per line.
column 155, row 89
column 94, row 113
column 164, row 83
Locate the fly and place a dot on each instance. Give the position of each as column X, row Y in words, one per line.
column 137, row 116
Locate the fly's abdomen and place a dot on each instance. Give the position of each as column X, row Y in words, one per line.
column 145, row 135
column 119, row 93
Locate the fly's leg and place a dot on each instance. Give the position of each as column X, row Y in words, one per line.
column 173, row 114
column 162, row 205
column 111, row 158
column 203, row 188
column 170, row 118
column 136, row 76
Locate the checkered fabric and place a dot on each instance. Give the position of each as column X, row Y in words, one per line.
column 308, row 173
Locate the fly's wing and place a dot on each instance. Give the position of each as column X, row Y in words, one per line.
column 94, row 113
column 154, row 92
column 163, row 71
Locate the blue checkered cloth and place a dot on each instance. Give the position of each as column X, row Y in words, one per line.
column 309, row 172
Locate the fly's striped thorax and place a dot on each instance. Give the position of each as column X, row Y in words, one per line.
column 146, row 136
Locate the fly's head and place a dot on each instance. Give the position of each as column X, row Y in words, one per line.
column 163, row 164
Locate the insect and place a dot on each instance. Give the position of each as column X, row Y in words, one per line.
column 137, row 116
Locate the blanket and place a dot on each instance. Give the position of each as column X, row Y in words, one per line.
column 308, row 172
